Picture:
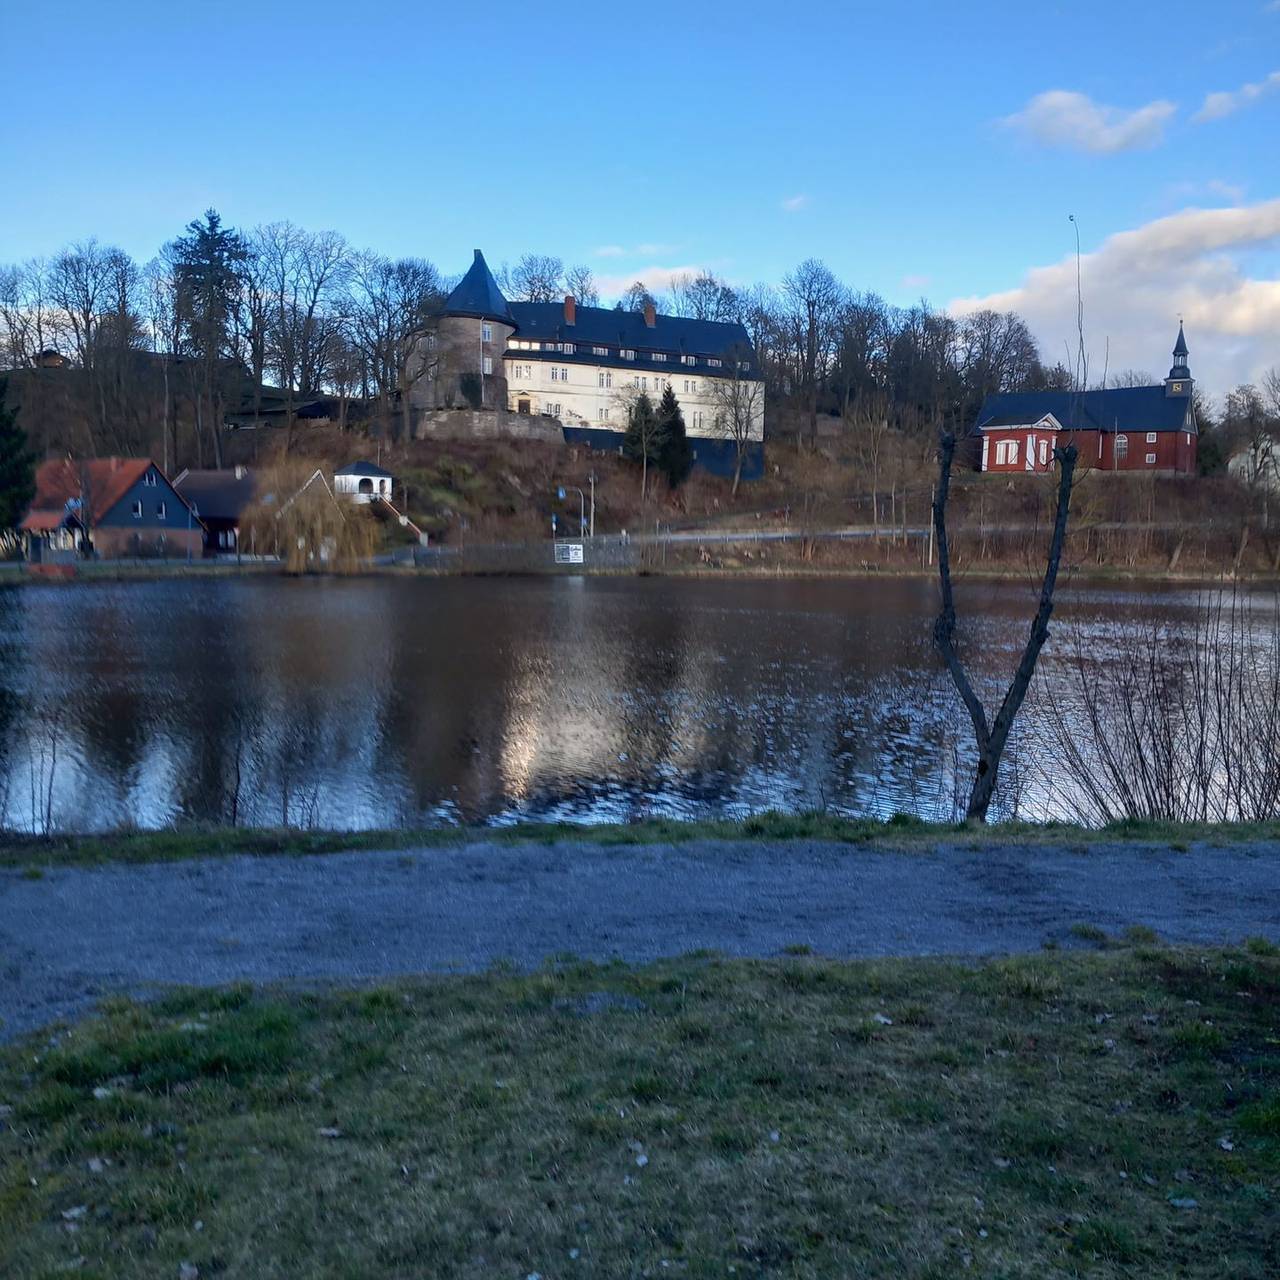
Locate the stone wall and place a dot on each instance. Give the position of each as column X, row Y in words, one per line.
column 485, row 424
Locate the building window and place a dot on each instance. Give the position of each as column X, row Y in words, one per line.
column 149, row 479
column 658, row 355
column 605, row 378
column 555, row 374
column 567, row 348
column 715, row 364
column 1151, row 437
column 486, row 333
column 137, row 510
column 604, row 415
column 431, row 342
column 1044, row 453
column 488, row 365
column 1006, row 452
column 564, row 375
column 1122, row 448
column 162, row 511
column 689, row 359
column 693, row 386
column 1151, row 459
column 627, row 354
column 744, row 365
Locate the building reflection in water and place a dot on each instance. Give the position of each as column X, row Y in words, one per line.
column 385, row 701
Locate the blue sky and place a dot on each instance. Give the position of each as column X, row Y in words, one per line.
column 908, row 145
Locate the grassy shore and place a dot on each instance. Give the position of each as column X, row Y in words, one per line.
column 1107, row 1112
column 900, row 832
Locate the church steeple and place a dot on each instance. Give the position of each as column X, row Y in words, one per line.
column 1179, row 381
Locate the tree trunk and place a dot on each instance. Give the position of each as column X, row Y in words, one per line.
column 990, row 739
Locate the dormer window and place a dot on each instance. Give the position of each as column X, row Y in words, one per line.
column 599, row 351
column 627, row 353
column 567, row 348
column 659, row 355
column 149, row 479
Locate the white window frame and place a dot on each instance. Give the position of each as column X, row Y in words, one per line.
column 567, row 348
column 1151, row 437
column 658, row 355
column 137, row 509
column 1120, row 449
column 486, row 332
column 1151, row 459
column 488, row 366
column 714, row 363
column 149, row 479
column 605, row 378
column 162, row 510
column 599, row 351
column 1044, row 453
column 627, row 353
column 1006, row 453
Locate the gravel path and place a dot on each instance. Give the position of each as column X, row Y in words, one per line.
column 80, row 933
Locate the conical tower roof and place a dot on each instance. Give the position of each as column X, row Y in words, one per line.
column 1180, row 347
column 478, row 295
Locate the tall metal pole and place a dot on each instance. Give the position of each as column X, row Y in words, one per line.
column 593, row 504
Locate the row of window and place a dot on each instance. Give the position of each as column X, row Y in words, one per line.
column 162, row 510
column 624, row 353
column 1007, row 450
column 604, row 378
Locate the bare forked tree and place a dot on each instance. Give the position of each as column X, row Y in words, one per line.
column 990, row 736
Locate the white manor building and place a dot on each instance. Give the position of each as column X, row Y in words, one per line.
column 584, row 366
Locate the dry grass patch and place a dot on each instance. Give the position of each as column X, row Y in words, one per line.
column 1063, row 1115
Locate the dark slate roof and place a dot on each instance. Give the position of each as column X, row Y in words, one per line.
column 362, row 468
column 477, row 294
column 1117, row 409
column 219, row 495
column 602, row 326
column 1180, row 347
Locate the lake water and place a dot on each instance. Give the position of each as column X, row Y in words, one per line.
column 383, row 701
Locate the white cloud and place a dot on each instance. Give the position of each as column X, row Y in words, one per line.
column 793, row 204
column 1218, row 105
column 1061, row 118
column 1137, row 282
column 647, row 250
column 655, row 279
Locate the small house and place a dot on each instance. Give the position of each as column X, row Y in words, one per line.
column 219, row 499
column 110, row 507
column 363, row 482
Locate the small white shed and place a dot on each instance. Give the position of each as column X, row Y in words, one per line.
column 363, row 482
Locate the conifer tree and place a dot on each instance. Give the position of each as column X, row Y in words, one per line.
column 641, row 443
column 17, row 466
column 675, row 457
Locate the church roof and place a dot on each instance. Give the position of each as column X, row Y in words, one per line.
column 1180, row 347
column 477, row 294
column 1116, row 409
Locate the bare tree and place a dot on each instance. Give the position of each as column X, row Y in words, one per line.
column 703, row 297
column 738, row 401
column 991, row 736
column 537, row 277
column 813, row 298
column 581, row 282
column 1133, row 378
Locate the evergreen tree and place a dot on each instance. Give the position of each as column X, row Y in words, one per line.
column 675, row 456
column 641, row 443
column 17, row 466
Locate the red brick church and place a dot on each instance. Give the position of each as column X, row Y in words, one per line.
column 1147, row 429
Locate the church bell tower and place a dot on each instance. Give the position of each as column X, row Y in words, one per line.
column 1179, row 382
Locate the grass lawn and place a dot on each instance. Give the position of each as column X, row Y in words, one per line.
column 1113, row 1111
column 901, row 831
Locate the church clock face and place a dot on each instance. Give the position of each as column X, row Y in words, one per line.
column 1177, row 386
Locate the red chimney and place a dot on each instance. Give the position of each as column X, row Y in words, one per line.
column 650, row 316
column 570, row 309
